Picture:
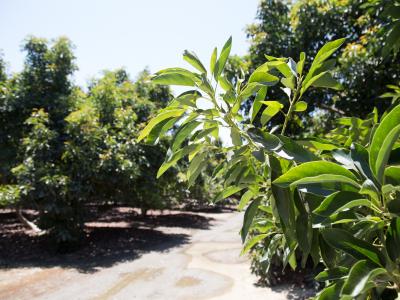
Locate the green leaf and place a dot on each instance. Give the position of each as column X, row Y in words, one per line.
column 326, row 81
column 229, row 191
column 340, row 201
column 236, row 137
column 249, row 90
column 300, row 64
column 175, row 76
column 225, row 83
column 282, row 199
column 263, row 78
column 273, row 107
column 220, row 64
column 289, row 82
column 393, row 239
column 182, row 133
column 359, row 276
column 392, row 175
column 383, row 137
column 333, row 274
column 267, row 140
column 328, row 255
column 188, row 98
column 173, row 79
column 159, row 129
column 213, row 60
column 198, row 163
column 384, row 152
column 359, row 155
column 326, row 181
column 369, row 188
column 312, row 169
column 343, row 240
column 284, row 69
column 262, row 93
column 291, row 150
column 300, row 106
column 159, row 118
column 304, row 233
column 331, row 292
column 327, row 50
column 252, row 242
column 193, row 148
column 248, row 218
column 192, row 59
column 246, row 197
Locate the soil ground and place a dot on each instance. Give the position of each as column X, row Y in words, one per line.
column 174, row 255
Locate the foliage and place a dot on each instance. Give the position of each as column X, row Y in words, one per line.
column 333, row 200
column 63, row 149
column 284, row 29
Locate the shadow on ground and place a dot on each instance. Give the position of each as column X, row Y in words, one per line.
column 112, row 236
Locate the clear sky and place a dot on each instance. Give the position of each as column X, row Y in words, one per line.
column 122, row 33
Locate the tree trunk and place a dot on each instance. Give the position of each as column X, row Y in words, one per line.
column 28, row 223
column 143, row 211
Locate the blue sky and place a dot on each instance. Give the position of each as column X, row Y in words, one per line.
column 121, row 33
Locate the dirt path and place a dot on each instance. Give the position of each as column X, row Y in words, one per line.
column 207, row 267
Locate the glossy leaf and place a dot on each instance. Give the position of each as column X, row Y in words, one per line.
column 340, row 201
column 359, row 276
column 380, row 138
column 345, row 241
column 248, row 218
column 312, row 169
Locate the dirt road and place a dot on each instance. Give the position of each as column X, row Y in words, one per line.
column 207, row 266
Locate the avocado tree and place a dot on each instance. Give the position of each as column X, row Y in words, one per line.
column 335, row 202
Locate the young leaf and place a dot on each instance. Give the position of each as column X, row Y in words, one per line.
column 300, row 64
column 229, row 191
column 252, row 242
column 263, row 78
column 220, row 64
column 173, row 79
column 193, row 148
column 273, row 107
column 197, row 164
column 213, row 60
column 182, row 133
column 262, row 93
column 161, row 117
column 300, row 106
column 192, row 59
column 246, row 197
column 327, row 50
